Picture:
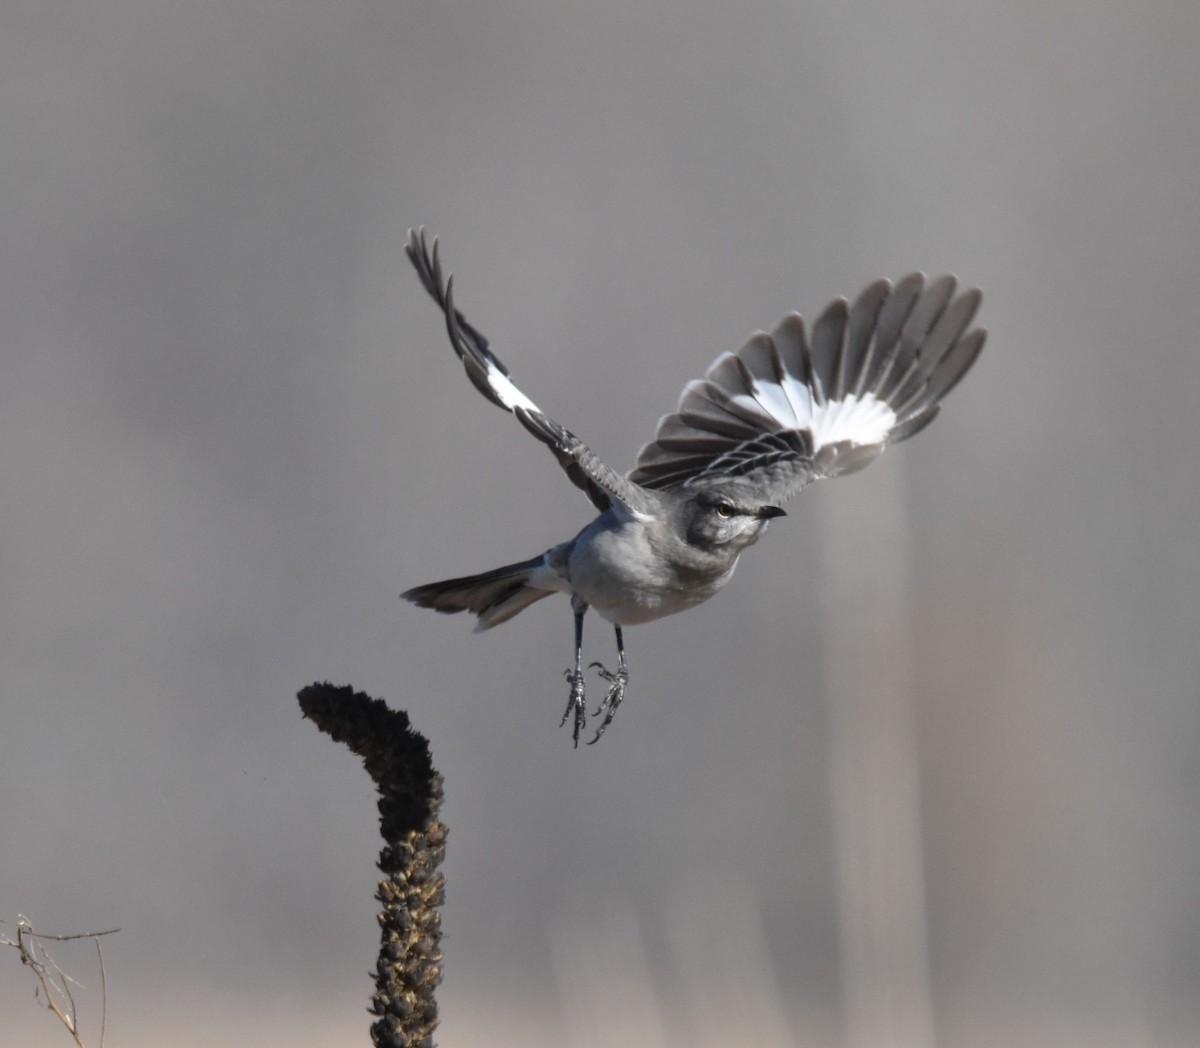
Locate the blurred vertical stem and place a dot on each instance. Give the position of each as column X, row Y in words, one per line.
column 876, row 795
column 410, row 796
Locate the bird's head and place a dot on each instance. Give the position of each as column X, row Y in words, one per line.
column 725, row 519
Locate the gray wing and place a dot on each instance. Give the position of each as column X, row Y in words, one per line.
column 603, row 485
column 787, row 409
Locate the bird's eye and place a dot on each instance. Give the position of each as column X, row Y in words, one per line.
column 724, row 509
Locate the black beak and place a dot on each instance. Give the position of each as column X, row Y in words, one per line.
column 767, row 512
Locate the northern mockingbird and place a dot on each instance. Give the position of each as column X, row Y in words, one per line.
column 786, row 409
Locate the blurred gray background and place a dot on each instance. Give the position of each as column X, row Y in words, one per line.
column 231, row 432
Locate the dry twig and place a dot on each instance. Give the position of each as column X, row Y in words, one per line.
column 54, row 985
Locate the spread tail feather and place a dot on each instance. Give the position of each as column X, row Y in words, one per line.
column 494, row 596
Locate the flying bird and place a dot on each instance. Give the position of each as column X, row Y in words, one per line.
column 788, row 408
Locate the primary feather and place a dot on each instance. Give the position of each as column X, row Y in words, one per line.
column 787, row 408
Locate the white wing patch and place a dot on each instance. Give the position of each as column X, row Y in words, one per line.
column 787, row 408
column 858, row 419
column 503, row 387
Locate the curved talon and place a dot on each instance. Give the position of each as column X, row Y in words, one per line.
column 616, row 694
column 576, row 704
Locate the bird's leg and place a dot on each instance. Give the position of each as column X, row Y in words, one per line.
column 616, row 687
column 576, row 704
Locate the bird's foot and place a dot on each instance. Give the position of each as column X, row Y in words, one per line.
column 576, row 705
column 616, row 692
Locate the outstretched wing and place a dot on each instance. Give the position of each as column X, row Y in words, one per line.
column 603, row 485
column 786, row 409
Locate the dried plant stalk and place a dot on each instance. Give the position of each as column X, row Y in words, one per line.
column 397, row 758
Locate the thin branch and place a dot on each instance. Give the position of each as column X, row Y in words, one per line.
column 59, row 999
column 103, row 989
column 61, row 938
